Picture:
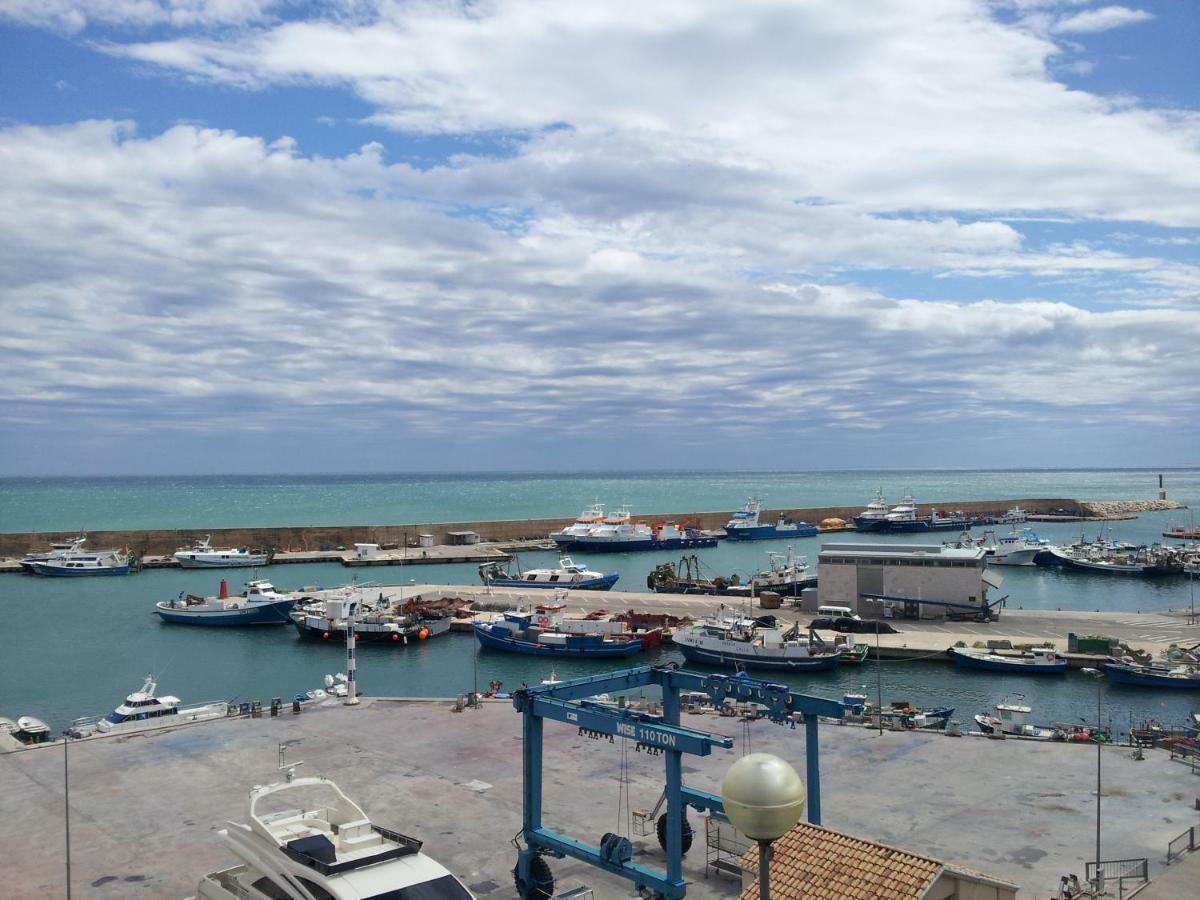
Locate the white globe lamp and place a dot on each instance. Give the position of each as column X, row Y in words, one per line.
column 763, row 798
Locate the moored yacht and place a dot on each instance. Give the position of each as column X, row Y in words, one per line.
column 618, row 533
column 143, row 710
column 568, row 575
column 202, row 555
column 1018, row 548
column 306, row 839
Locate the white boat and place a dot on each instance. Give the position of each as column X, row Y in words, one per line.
column 1011, row 718
column 31, row 730
column 306, row 839
column 142, row 710
column 1014, row 516
column 1017, row 549
column 202, row 555
column 568, row 575
column 746, row 525
column 78, row 561
column 872, row 517
column 618, row 533
column 258, row 604
column 57, row 548
column 584, row 523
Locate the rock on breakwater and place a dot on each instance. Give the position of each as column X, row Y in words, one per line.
column 1119, row 508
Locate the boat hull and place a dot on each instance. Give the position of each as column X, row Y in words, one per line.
column 1118, row 674
column 996, row 663
column 336, row 634
column 258, row 614
column 488, row 637
column 731, row 659
column 62, row 571
column 1023, row 557
column 591, row 584
column 188, row 562
column 631, row 546
column 769, row 532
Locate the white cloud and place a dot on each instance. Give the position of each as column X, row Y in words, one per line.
column 1103, row 19
column 76, row 15
column 215, row 281
column 927, row 107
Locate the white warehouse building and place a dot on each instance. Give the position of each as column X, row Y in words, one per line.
column 927, row 581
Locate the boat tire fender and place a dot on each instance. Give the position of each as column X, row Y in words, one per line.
column 541, row 886
column 686, row 828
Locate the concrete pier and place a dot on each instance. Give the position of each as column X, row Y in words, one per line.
column 145, row 809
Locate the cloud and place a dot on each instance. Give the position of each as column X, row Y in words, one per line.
column 930, row 107
column 1103, row 19
column 220, row 283
column 76, row 15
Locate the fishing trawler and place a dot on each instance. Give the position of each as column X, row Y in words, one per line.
column 544, row 631
column 375, row 621
column 746, row 525
column 755, row 644
column 258, row 604
column 618, row 533
column 77, row 561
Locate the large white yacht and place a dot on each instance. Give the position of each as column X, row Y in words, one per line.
column 308, row 841
column 142, row 710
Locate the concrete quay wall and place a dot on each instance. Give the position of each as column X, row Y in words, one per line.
column 313, row 537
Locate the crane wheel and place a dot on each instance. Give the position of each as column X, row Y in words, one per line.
column 661, row 827
column 542, row 886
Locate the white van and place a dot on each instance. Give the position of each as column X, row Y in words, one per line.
column 836, row 612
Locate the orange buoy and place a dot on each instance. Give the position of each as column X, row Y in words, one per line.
column 422, row 634
column 325, row 635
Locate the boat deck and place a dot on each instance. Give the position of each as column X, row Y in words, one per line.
column 144, row 809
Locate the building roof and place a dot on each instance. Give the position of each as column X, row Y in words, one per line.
column 902, row 551
column 820, row 864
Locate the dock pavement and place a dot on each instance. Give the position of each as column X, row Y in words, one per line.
column 145, row 808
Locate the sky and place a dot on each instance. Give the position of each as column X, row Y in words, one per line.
column 368, row 235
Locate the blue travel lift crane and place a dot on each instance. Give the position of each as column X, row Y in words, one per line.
column 567, row 702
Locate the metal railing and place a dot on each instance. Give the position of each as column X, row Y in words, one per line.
column 1185, row 843
column 1123, row 872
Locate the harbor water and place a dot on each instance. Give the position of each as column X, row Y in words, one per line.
column 75, row 647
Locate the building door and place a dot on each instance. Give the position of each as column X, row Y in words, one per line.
column 870, row 580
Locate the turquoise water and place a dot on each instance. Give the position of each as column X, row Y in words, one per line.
column 75, row 647
column 66, row 504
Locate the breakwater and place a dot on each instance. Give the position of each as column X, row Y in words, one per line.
column 316, row 537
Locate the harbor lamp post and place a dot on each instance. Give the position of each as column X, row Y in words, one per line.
column 763, row 798
column 1098, row 677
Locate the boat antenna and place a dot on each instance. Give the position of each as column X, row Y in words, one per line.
column 283, row 766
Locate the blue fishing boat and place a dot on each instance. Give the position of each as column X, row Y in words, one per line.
column 1159, row 676
column 746, row 525
column 568, row 575
column 258, row 604
column 520, row 632
column 1038, row 661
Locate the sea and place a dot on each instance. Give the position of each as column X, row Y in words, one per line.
column 76, row 647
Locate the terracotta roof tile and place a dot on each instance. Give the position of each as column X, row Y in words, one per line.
column 820, row 864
